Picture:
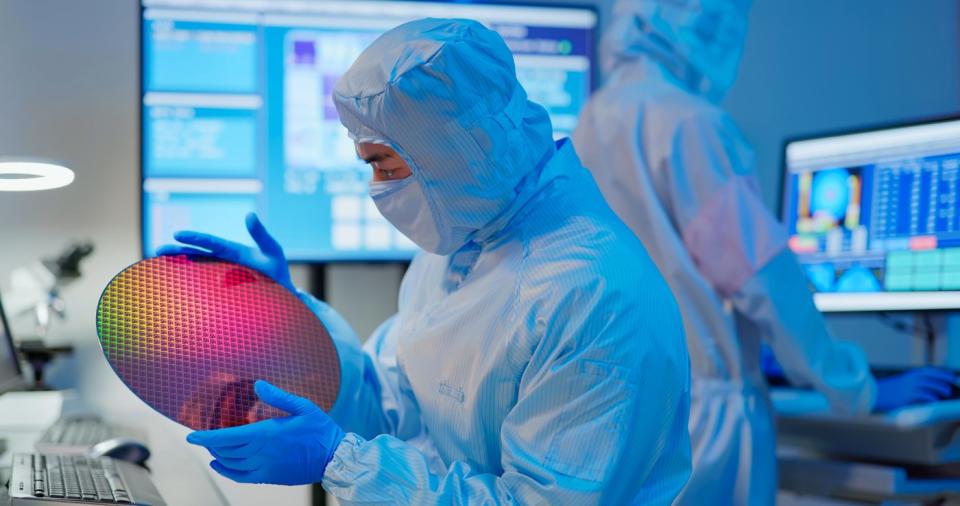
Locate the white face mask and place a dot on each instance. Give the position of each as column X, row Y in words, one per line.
column 403, row 203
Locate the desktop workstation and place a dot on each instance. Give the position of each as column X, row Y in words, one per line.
column 874, row 218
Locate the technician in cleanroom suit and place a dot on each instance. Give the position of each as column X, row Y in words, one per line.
column 524, row 365
column 675, row 168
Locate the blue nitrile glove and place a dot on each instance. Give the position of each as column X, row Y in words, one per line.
column 292, row 450
column 268, row 259
column 927, row 384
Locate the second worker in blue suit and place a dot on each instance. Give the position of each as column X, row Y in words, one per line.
column 537, row 356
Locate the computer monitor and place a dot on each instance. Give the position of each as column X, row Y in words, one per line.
column 874, row 216
column 10, row 373
column 237, row 113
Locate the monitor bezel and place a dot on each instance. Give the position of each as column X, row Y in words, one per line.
column 879, row 305
column 594, row 85
column 17, row 381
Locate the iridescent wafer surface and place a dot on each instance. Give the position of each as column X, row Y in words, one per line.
column 190, row 336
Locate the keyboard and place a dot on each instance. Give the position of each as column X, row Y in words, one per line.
column 84, row 431
column 51, row 479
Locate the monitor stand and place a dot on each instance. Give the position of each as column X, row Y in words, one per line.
column 930, row 325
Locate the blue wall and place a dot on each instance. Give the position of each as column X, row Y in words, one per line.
column 819, row 65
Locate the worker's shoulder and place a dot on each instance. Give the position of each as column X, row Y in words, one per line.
column 597, row 269
column 588, row 245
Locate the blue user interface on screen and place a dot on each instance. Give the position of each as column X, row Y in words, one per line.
column 238, row 117
column 875, row 217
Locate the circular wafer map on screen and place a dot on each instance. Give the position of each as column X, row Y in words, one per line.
column 191, row 335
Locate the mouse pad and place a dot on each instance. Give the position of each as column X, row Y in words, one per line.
column 190, row 336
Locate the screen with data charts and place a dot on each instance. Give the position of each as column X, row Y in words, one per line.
column 237, row 114
column 874, row 217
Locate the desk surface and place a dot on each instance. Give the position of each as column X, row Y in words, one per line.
column 177, row 470
column 181, row 472
column 800, row 403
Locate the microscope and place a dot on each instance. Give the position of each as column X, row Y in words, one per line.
column 35, row 289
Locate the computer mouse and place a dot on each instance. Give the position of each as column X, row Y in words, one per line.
column 121, row 448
